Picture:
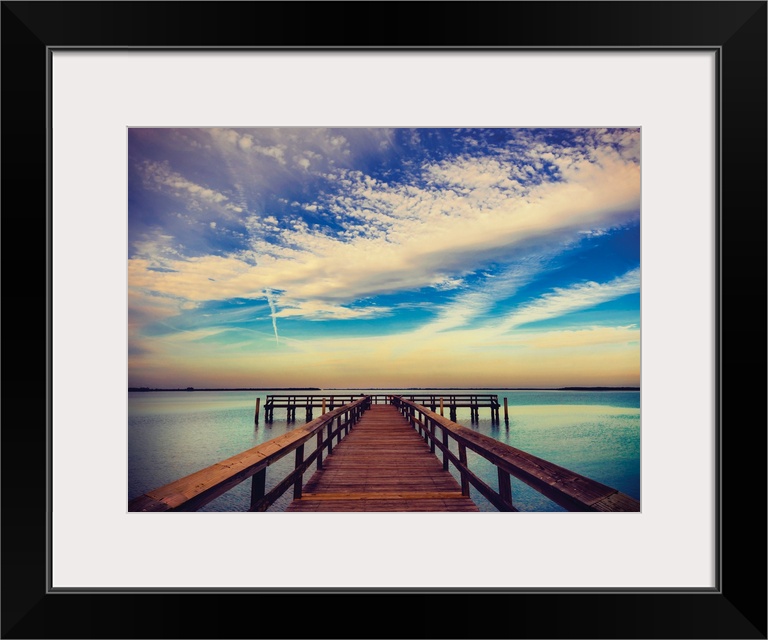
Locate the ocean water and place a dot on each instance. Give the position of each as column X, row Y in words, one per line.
column 595, row 433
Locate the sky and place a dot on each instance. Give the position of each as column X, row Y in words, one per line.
column 383, row 258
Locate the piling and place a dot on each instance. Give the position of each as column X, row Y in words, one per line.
column 506, row 412
column 441, row 406
column 256, row 415
column 323, row 409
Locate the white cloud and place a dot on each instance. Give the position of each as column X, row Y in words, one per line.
column 469, row 308
column 396, row 237
column 317, row 310
column 577, row 297
column 159, row 175
column 273, row 310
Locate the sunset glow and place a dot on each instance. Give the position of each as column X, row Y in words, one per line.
column 302, row 257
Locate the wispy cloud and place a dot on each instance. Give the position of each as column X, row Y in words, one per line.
column 470, row 307
column 562, row 301
column 159, row 175
column 439, row 231
column 273, row 310
column 398, row 237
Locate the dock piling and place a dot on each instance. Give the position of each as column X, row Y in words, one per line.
column 256, row 415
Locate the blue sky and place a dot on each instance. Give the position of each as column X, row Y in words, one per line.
column 371, row 257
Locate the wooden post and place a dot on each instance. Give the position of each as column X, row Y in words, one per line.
column 464, row 478
column 506, row 411
column 323, row 410
column 505, row 486
column 257, row 487
column 299, row 462
column 441, row 406
column 445, row 452
column 432, row 433
column 320, row 449
column 256, row 415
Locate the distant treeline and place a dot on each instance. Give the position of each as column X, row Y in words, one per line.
column 599, row 389
column 230, row 389
column 404, row 389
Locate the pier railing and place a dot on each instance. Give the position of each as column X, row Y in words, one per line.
column 449, row 401
column 307, row 401
column 198, row 489
column 472, row 401
column 566, row 488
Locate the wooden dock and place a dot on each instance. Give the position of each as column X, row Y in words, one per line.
column 448, row 402
column 382, row 465
column 384, row 457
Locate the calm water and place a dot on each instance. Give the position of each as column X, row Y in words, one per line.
column 175, row 433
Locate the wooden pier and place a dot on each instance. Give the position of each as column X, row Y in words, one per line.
column 307, row 401
column 449, row 402
column 384, row 457
column 382, row 465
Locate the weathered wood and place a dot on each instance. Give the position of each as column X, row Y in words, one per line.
column 382, row 465
column 563, row 486
column 462, row 469
column 145, row 503
column 320, row 448
column 445, row 450
column 383, row 506
column 384, row 495
column 257, row 488
column 505, row 486
column 290, row 480
column 297, row 484
column 431, row 436
column 256, row 414
column 386, row 470
column 197, row 489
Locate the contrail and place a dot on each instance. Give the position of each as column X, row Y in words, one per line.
column 271, row 301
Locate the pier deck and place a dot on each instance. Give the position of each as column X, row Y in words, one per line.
column 382, row 465
column 384, row 457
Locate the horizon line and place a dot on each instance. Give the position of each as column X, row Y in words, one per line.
column 567, row 388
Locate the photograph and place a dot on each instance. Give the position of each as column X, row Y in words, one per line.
column 426, row 319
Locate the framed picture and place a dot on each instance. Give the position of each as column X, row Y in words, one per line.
column 689, row 77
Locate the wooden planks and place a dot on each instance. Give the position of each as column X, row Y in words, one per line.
column 563, row 486
column 382, row 465
column 198, row 489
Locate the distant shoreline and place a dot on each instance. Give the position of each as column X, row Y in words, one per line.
column 389, row 388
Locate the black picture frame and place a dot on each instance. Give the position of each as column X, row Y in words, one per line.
column 736, row 608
